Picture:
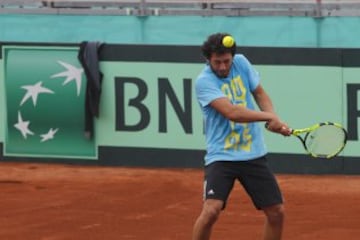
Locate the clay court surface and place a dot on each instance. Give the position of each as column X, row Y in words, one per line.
column 58, row 202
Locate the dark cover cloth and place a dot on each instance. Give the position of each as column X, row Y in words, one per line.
column 89, row 58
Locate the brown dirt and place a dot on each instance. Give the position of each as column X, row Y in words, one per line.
column 58, row 202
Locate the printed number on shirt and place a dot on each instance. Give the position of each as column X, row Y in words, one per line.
column 236, row 93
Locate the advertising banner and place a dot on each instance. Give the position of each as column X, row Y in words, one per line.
column 45, row 92
column 149, row 114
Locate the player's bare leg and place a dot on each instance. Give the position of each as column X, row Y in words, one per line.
column 274, row 222
column 208, row 216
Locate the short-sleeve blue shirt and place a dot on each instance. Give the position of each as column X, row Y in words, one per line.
column 227, row 140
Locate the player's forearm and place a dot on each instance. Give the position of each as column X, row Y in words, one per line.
column 242, row 114
column 263, row 100
column 265, row 104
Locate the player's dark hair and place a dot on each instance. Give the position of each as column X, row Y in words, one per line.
column 214, row 44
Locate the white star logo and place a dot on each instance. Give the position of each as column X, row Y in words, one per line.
column 72, row 74
column 49, row 135
column 33, row 91
column 23, row 126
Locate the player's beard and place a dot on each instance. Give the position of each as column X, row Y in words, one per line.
column 221, row 74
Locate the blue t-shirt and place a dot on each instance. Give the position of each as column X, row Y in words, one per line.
column 227, row 140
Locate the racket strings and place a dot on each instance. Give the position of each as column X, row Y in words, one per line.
column 327, row 140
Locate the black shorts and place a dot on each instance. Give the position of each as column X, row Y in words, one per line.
column 254, row 175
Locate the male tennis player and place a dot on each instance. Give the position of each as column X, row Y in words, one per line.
column 235, row 144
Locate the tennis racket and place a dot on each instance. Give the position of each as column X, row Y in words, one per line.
column 322, row 140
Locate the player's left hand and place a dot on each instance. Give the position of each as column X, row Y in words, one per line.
column 278, row 127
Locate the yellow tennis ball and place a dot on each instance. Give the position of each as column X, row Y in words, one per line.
column 228, row 41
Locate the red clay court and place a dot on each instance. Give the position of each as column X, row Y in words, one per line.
column 71, row 202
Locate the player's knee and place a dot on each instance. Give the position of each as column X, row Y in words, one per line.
column 275, row 215
column 210, row 214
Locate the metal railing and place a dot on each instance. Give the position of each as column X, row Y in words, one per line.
column 311, row 8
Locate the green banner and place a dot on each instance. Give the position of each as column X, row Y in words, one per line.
column 45, row 94
column 2, row 101
column 296, row 92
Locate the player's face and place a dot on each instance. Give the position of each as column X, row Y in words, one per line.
column 221, row 64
